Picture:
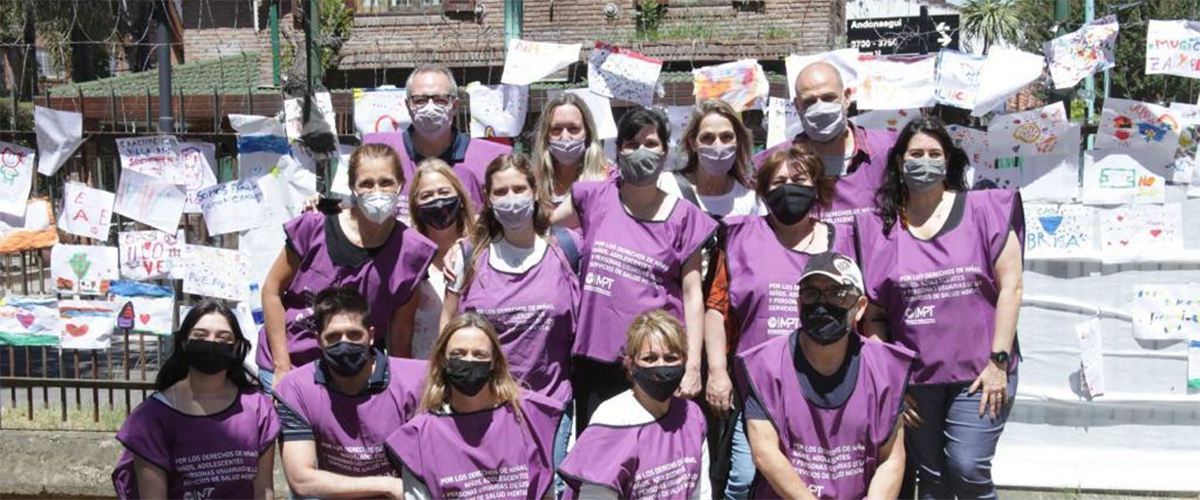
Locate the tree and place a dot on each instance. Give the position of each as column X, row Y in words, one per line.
column 992, row 21
column 336, row 23
column 1128, row 79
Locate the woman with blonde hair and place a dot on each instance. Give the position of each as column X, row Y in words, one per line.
column 441, row 210
column 469, row 394
column 363, row 247
column 716, row 176
column 567, row 148
column 644, row 442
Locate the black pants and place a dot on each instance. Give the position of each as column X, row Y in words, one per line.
column 594, row 382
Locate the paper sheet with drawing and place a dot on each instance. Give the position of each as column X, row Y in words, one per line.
column 527, row 62
column 59, row 133
column 153, row 305
column 1060, row 231
column 86, row 324
column 28, row 321
column 1111, row 177
column 1028, row 133
column 845, row 60
column 896, row 82
column 16, row 177
column 83, row 269
column 32, row 231
column 146, row 255
column 86, row 211
column 155, row 156
column 1173, row 48
column 619, row 73
column 216, row 272
column 232, row 206
column 497, row 110
column 739, row 83
column 197, row 170
column 380, row 110
column 1083, row 52
column 957, row 79
column 1166, row 312
column 150, row 200
column 1141, row 232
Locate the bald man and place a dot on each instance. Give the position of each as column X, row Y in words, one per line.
column 856, row 156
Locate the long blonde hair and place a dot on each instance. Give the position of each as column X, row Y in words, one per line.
column 437, row 166
column 594, row 165
column 437, row 391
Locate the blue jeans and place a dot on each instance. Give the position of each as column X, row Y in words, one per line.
column 266, row 377
column 741, row 463
column 561, row 440
column 953, row 449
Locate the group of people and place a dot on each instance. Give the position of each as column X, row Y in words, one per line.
column 478, row 323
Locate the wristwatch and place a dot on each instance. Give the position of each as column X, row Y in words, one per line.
column 1000, row 357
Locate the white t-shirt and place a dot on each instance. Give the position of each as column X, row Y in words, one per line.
column 738, row 201
column 429, row 313
column 504, row 257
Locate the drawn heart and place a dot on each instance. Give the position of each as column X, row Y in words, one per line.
column 77, row 330
column 144, row 318
column 1050, row 223
column 1121, row 135
column 1120, row 218
column 1155, row 232
column 26, row 319
column 1124, row 242
column 146, row 245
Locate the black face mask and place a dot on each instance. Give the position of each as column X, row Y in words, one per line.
column 791, row 202
column 659, row 382
column 346, row 358
column 468, row 377
column 440, row 213
column 824, row 323
column 209, row 357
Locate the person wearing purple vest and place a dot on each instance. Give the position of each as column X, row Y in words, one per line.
column 943, row 272
column 857, row 157
column 477, row 435
column 641, row 250
column 824, row 404
column 364, row 247
column 337, row 411
column 515, row 273
column 758, row 263
column 432, row 103
column 644, row 443
column 206, row 431
column 443, row 213
column 716, row 175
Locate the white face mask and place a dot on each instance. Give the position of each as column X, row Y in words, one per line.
column 378, row 206
column 569, row 151
column 717, row 159
column 824, row 121
column 514, row 211
column 431, row 119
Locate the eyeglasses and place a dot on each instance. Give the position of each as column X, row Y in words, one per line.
column 422, row 100
column 841, row 296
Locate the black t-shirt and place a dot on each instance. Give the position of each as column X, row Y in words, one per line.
column 826, row 391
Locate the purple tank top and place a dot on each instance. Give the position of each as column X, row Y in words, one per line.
column 853, row 193
column 763, row 276
column 834, row 450
column 629, row 265
column 940, row 295
column 350, row 430
column 214, row 456
column 470, row 171
column 534, row 314
column 387, row 280
column 491, row 454
column 658, row 460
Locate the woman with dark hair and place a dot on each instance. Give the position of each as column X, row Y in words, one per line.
column 517, row 276
column 641, row 250
column 567, row 148
column 478, row 434
column 716, row 176
column 363, row 247
column 943, row 272
column 204, row 409
column 759, row 261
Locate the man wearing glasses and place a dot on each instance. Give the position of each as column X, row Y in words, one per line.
column 824, row 405
column 433, row 103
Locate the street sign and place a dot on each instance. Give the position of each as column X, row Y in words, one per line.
column 903, row 35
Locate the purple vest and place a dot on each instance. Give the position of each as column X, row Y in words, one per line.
column 388, row 280
column 763, row 276
column 940, row 295
column 534, row 314
column 490, row 454
column 854, row 193
column 630, row 265
column 470, row 171
column 214, row 456
column 658, row 460
column 834, row 450
column 350, row 430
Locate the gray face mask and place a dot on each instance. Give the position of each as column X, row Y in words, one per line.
column 640, row 166
column 824, row 121
column 923, row 174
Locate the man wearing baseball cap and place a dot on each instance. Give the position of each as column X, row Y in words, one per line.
column 824, row 404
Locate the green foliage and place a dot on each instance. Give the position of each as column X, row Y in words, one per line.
column 648, row 16
column 1128, row 79
column 60, row 22
column 24, row 114
column 336, row 25
column 993, row 21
